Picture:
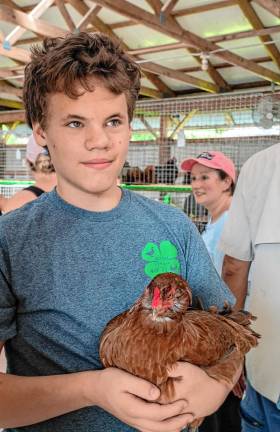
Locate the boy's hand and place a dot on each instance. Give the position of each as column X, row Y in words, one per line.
column 131, row 400
column 203, row 393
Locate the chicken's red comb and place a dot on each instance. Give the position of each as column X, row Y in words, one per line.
column 156, row 297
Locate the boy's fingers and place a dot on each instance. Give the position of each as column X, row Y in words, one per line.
column 160, row 413
column 143, row 389
column 176, row 424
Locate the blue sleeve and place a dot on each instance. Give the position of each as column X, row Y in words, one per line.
column 7, row 299
column 201, row 275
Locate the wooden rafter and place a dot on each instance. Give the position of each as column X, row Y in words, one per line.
column 180, row 76
column 87, row 18
column 183, row 122
column 15, row 53
column 147, row 91
column 256, row 23
column 128, row 9
column 219, row 81
column 11, row 116
column 168, row 6
column 38, row 10
column 204, row 8
column 27, row 22
column 9, row 89
column 272, row 6
column 98, row 23
column 220, row 38
column 147, row 125
column 8, row 103
column 66, row 15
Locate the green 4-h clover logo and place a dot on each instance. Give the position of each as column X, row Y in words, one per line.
column 160, row 259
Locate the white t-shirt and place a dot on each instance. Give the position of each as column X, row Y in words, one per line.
column 211, row 237
column 252, row 233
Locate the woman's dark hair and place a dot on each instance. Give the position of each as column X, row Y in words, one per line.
column 223, row 176
column 62, row 64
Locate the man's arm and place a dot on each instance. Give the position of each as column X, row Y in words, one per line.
column 235, row 274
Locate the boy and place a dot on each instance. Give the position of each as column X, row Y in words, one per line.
column 83, row 253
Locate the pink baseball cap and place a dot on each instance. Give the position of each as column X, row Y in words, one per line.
column 32, row 149
column 212, row 159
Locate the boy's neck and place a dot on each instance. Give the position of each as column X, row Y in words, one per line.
column 93, row 201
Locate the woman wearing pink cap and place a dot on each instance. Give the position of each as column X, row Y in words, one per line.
column 213, row 180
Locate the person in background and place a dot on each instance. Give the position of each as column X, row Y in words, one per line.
column 251, row 241
column 81, row 254
column 42, row 171
column 213, row 176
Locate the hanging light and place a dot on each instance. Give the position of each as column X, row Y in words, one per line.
column 204, row 56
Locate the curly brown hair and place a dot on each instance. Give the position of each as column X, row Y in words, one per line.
column 62, row 63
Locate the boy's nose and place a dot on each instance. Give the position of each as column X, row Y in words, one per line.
column 96, row 137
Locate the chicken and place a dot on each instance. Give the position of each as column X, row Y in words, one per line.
column 168, row 172
column 162, row 328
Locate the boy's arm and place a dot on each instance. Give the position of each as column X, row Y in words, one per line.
column 235, row 274
column 29, row 400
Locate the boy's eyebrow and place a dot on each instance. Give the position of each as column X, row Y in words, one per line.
column 71, row 116
column 79, row 117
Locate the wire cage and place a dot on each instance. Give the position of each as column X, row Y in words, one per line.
column 164, row 132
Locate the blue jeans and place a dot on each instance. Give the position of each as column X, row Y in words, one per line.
column 258, row 414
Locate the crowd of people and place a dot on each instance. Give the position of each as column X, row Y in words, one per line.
column 73, row 258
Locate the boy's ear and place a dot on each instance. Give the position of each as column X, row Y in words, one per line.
column 39, row 135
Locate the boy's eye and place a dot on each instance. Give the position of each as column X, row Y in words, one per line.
column 114, row 122
column 74, row 124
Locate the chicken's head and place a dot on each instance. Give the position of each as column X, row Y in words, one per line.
column 168, row 294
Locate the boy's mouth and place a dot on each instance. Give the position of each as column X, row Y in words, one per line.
column 97, row 163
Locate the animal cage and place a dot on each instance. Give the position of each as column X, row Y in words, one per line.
column 164, row 132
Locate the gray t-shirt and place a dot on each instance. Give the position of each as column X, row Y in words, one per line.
column 65, row 272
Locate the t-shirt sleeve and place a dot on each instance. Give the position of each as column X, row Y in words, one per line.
column 201, row 275
column 7, row 299
column 236, row 236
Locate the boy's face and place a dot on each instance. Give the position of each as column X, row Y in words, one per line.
column 88, row 141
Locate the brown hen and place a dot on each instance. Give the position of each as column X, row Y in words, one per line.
column 162, row 328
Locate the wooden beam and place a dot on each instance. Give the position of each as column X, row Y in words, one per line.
column 256, row 23
column 11, row 116
column 147, row 91
column 182, row 123
column 133, row 12
column 181, row 12
column 272, row 6
column 223, row 65
column 14, row 53
column 66, row 15
column 29, row 23
column 204, row 8
column 88, row 17
column 9, row 89
column 180, row 76
column 220, row 38
column 168, row 6
column 221, row 84
column 83, row 9
column 38, row 10
column 245, row 34
column 8, row 103
column 147, row 125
